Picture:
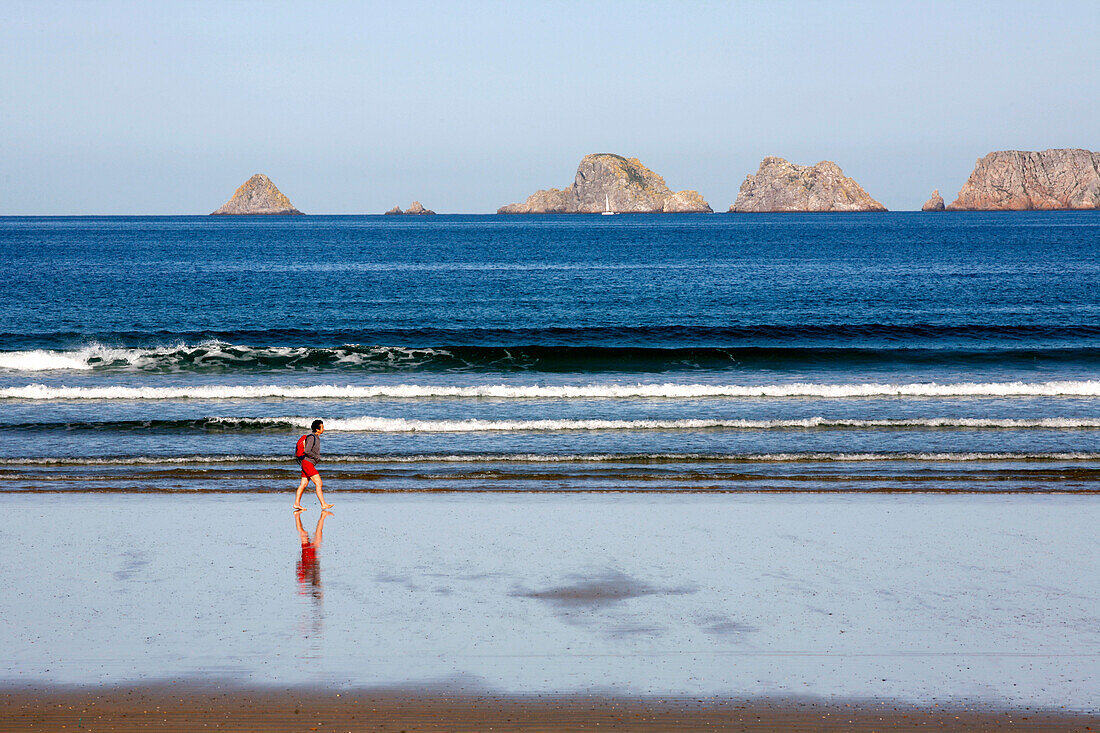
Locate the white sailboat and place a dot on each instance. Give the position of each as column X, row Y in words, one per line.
column 607, row 207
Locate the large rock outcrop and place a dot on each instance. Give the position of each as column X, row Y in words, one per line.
column 606, row 180
column 783, row 186
column 257, row 195
column 1020, row 180
column 934, row 202
column 415, row 209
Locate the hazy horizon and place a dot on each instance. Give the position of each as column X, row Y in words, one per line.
column 127, row 108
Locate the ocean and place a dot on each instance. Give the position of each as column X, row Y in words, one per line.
column 899, row 352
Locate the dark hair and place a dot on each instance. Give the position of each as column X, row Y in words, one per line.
column 316, row 425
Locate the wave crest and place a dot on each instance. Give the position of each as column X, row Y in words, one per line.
column 402, row 425
column 667, row 390
column 369, row 424
column 214, row 356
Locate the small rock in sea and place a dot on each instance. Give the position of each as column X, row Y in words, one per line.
column 935, row 203
column 417, row 209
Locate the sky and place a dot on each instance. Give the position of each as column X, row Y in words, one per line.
column 350, row 108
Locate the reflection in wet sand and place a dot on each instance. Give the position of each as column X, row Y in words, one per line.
column 309, row 574
column 611, row 587
column 600, row 602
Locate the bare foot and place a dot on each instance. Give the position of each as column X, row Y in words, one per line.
column 298, row 508
column 327, row 506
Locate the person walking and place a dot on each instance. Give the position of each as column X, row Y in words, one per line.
column 308, row 453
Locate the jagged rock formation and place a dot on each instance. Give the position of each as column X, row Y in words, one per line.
column 415, row 209
column 783, row 186
column 606, row 180
column 1019, row 180
column 257, row 195
column 934, row 203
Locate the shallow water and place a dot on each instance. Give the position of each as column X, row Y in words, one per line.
column 942, row 473
column 916, row 598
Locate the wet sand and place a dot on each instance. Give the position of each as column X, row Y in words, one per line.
column 168, row 707
column 475, row 604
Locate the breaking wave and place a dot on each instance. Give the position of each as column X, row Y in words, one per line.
column 213, row 356
column 1087, row 388
column 401, row 425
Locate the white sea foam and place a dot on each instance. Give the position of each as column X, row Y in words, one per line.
column 1087, row 388
column 83, row 359
column 42, row 360
column 401, row 425
column 793, row 457
column 207, row 353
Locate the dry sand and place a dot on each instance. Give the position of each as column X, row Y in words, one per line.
column 187, row 708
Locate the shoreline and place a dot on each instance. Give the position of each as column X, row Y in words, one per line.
column 231, row 707
column 568, row 475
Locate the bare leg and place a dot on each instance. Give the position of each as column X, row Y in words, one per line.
column 320, row 528
column 320, row 495
column 298, row 496
column 302, row 536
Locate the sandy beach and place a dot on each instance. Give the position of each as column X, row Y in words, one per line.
column 551, row 610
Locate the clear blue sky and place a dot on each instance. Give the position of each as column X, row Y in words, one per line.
column 156, row 107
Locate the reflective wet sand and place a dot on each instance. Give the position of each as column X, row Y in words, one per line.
column 920, row 599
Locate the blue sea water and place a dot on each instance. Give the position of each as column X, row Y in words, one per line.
column 822, row 352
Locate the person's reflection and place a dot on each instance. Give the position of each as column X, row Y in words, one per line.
column 309, row 570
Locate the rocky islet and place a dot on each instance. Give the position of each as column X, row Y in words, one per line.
column 934, row 202
column 257, row 195
column 415, row 209
column 782, row 186
column 1022, row 180
column 610, row 182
